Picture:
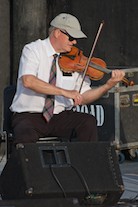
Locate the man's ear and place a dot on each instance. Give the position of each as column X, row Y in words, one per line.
column 56, row 33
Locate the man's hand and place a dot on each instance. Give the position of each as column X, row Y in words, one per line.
column 117, row 76
column 75, row 95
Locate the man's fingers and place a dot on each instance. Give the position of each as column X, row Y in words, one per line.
column 77, row 99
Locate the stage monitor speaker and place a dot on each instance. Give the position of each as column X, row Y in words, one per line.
column 87, row 171
column 53, row 202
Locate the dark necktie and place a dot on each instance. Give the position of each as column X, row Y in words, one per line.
column 49, row 102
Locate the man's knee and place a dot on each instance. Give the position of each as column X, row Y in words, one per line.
column 90, row 122
column 24, row 133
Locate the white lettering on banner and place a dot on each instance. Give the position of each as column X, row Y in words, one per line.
column 100, row 115
column 84, row 109
column 92, row 111
column 95, row 110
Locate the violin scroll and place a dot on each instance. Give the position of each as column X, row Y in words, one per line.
column 127, row 82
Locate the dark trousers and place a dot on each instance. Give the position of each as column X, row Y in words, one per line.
column 29, row 127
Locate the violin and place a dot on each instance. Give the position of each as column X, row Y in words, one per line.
column 75, row 61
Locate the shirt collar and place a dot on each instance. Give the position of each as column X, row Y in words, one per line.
column 49, row 48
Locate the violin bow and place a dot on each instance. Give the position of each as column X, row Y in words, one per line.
column 91, row 54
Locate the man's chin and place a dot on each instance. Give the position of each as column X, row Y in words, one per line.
column 69, row 49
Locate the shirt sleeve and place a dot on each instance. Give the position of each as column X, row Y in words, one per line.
column 29, row 61
column 85, row 86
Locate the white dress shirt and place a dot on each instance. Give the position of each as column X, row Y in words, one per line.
column 36, row 60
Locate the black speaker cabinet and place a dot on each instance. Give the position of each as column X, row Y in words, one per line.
column 52, row 202
column 87, row 171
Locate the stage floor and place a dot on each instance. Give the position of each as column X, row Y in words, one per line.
column 129, row 171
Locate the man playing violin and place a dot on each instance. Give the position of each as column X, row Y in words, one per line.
column 33, row 89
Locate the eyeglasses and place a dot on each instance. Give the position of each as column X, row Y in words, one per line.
column 70, row 37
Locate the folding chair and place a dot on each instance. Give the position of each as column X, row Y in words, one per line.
column 6, row 128
column 6, row 131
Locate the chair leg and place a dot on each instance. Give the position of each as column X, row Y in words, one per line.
column 6, row 145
